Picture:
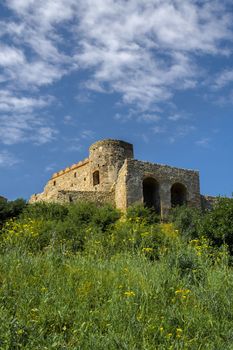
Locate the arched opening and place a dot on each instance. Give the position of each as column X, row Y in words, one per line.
column 178, row 195
column 96, row 178
column 151, row 198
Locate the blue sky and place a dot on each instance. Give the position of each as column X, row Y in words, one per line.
column 157, row 73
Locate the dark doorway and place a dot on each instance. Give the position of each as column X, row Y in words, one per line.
column 151, row 196
column 178, row 195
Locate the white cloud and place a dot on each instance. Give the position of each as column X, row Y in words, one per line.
column 159, row 130
column 68, row 119
column 145, row 50
column 184, row 130
column 224, row 78
column 44, row 134
column 45, row 13
column 149, row 117
column 7, row 159
column 181, row 131
column 87, row 134
column 204, row 142
column 38, row 73
column 10, row 102
column 19, row 121
column 175, row 117
column 10, row 56
column 75, row 148
column 16, row 128
column 50, row 167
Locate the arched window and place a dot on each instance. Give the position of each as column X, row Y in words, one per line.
column 54, row 183
column 178, row 195
column 151, row 197
column 96, row 178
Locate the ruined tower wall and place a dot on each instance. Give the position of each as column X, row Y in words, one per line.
column 107, row 157
column 166, row 176
column 121, row 188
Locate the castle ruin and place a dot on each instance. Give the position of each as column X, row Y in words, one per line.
column 111, row 175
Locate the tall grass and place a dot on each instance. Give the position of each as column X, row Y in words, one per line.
column 129, row 285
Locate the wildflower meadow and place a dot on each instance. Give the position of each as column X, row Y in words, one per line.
column 81, row 277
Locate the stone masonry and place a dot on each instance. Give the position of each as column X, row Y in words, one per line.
column 111, row 175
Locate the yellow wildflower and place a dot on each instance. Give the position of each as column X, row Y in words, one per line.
column 129, row 293
column 147, row 250
column 179, row 332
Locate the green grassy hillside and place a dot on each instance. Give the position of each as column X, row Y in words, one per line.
column 80, row 277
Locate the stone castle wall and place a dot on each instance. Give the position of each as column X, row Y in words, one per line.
column 120, row 179
column 98, row 197
column 105, row 157
column 76, row 177
column 129, row 188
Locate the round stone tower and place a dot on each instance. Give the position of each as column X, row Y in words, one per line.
column 106, row 158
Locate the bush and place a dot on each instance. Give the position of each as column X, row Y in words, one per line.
column 85, row 213
column 55, row 225
column 218, row 223
column 105, row 216
column 187, row 221
column 81, row 213
column 46, row 211
column 140, row 212
column 10, row 209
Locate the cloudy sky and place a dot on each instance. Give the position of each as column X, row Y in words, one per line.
column 157, row 73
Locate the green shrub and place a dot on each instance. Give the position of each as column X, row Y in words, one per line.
column 217, row 224
column 46, row 211
column 81, row 213
column 140, row 212
column 187, row 220
column 105, row 216
column 10, row 209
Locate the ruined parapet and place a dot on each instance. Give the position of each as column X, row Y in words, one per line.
column 71, row 168
column 106, row 159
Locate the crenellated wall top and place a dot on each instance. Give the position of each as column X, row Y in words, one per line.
column 71, row 168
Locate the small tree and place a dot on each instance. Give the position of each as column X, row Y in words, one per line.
column 187, row 220
column 218, row 223
column 10, row 209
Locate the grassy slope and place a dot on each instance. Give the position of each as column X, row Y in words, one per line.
column 175, row 295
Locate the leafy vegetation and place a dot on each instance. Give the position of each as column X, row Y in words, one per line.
column 84, row 277
column 10, row 209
